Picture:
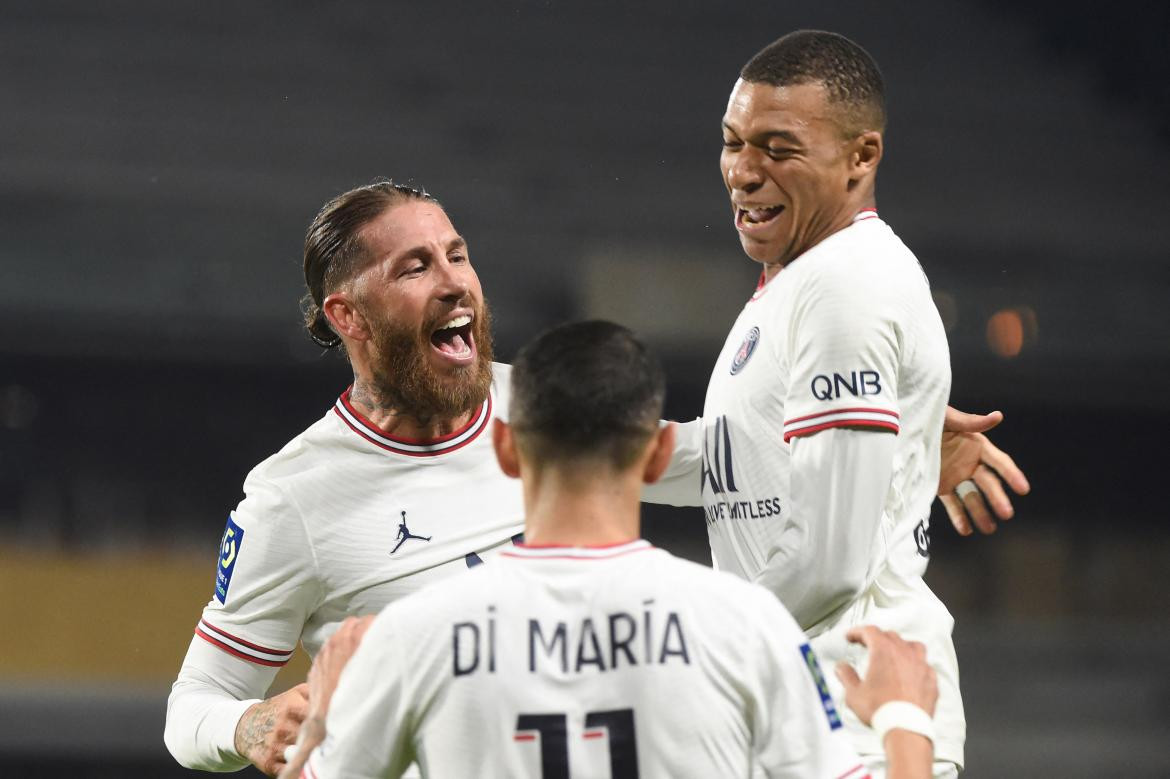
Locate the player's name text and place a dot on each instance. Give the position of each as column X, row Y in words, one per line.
column 608, row 643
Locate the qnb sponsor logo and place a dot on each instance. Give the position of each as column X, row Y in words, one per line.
column 856, row 383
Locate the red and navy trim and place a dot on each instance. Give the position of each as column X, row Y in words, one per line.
column 410, row 446
column 878, row 418
column 853, row 773
column 560, row 552
column 864, row 214
column 245, row 650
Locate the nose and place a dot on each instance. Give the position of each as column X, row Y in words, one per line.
column 453, row 283
column 743, row 172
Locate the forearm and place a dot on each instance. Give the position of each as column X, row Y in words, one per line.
column 211, row 694
column 908, row 755
column 839, row 481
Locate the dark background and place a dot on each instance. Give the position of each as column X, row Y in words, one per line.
column 160, row 162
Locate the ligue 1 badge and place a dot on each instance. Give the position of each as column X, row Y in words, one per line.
column 746, row 349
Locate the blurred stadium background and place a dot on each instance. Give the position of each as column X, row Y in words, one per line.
column 160, row 161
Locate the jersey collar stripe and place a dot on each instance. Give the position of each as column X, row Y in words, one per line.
column 240, row 647
column 578, row 552
column 865, row 213
column 852, row 773
column 450, row 443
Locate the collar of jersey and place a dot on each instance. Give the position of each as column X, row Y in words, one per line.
column 558, row 552
column 412, row 447
column 860, row 216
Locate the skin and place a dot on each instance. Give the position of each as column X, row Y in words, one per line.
column 786, row 146
column 420, row 273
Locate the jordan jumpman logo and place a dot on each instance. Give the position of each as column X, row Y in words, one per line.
column 405, row 535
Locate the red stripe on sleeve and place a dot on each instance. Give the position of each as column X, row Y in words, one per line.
column 891, row 426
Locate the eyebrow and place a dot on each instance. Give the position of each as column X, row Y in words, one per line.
column 763, row 138
column 458, row 242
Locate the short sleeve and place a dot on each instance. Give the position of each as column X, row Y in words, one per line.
column 843, row 351
column 797, row 730
column 265, row 584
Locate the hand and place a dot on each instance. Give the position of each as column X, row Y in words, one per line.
column 323, row 678
column 270, row 726
column 897, row 672
column 968, row 454
column 330, row 662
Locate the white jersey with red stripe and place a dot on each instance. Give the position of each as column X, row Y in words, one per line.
column 569, row 661
column 844, row 338
column 340, row 522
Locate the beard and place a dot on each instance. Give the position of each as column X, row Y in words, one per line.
column 406, row 380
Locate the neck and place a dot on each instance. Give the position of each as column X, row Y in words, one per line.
column 837, row 222
column 382, row 412
column 565, row 507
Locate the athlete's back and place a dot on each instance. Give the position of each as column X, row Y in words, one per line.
column 570, row 661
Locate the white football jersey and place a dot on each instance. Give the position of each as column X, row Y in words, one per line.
column 340, row 522
column 561, row 662
column 847, row 335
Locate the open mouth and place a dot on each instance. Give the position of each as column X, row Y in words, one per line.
column 453, row 339
column 750, row 218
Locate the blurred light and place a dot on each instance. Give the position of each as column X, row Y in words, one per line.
column 1009, row 329
column 18, row 407
column 948, row 308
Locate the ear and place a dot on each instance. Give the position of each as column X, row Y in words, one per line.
column 344, row 317
column 505, row 445
column 661, row 448
column 865, row 154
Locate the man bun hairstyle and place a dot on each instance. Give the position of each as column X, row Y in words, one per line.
column 334, row 250
column 850, row 76
column 586, row 391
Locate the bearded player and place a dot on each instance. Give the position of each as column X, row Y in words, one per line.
column 823, row 412
column 394, row 488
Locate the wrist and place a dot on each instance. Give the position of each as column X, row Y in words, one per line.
column 903, row 716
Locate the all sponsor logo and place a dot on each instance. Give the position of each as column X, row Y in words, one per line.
column 746, row 350
column 229, row 551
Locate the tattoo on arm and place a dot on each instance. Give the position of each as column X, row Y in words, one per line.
column 255, row 726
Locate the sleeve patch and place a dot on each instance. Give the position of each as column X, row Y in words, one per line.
column 814, row 668
column 229, row 550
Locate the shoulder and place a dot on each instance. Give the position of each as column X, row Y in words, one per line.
column 279, row 477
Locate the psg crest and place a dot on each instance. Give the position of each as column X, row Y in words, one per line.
column 746, row 349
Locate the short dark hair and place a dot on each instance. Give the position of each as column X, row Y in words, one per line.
column 586, row 391
column 850, row 76
column 333, row 247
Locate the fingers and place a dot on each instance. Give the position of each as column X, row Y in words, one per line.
column 1006, row 467
column 957, row 421
column 848, row 676
column 865, row 635
column 957, row 514
column 977, row 509
column 993, row 491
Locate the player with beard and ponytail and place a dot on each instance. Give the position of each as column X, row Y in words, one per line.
column 396, row 487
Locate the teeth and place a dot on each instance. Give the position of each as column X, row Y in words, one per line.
column 458, row 321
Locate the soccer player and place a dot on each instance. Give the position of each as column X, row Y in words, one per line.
column 823, row 411
column 585, row 651
column 395, row 488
